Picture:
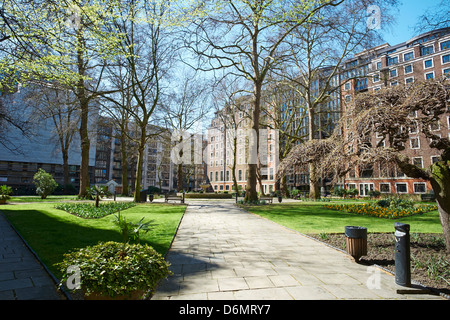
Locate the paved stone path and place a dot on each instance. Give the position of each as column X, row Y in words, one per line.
column 223, row 253
column 22, row 277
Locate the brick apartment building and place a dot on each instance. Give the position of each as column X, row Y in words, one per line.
column 424, row 57
column 221, row 153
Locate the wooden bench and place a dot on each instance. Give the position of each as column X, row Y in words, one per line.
column 428, row 197
column 174, row 197
column 266, row 198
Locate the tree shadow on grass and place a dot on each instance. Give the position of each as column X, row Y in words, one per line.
column 53, row 236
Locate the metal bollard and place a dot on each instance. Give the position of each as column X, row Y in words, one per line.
column 402, row 255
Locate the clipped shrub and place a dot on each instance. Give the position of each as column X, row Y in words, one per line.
column 86, row 210
column 116, row 269
column 208, row 195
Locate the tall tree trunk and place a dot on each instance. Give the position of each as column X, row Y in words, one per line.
column 180, row 177
column 252, row 178
column 441, row 187
column 84, row 107
column 139, row 165
column 284, row 186
column 85, row 146
column 66, row 167
column 123, row 150
column 314, row 188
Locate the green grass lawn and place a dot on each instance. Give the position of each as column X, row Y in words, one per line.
column 51, row 232
column 23, row 199
column 313, row 218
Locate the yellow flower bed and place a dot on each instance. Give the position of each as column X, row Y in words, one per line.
column 369, row 209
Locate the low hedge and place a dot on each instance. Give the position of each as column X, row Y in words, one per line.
column 208, row 195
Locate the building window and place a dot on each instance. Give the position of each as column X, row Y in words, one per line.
column 376, row 77
column 415, row 143
column 347, row 86
column 409, row 80
column 420, row 187
column 408, row 68
column 434, row 159
column 393, row 73
column 408, row 56
column 426, row 50
column 435, row 125
column 379, row 65
column 445, row 45
column 429, row 76
column 401, row 188
column 428, row 63
column 391, row 61
column 446, row 58
column 211, row 177
column 385, row 187
column 446, row 73
column 240, row 175
column 418, row 162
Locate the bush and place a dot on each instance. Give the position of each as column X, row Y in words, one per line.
column 153, row 189
column 86, row 210
column 208, row 195
column 5, row 192
column 45, row 184
column 340, row 192
column 116, row 269
column 390, row 212
column 395, row 202
column 352, row 192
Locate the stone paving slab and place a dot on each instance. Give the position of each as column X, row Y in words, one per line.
column 221, row 252
column 22, row 277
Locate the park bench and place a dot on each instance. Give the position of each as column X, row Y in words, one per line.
column 174, row 197
column 428, row 197
column 266, row 198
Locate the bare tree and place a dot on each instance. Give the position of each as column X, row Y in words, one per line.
column 318, row 49
column 148, row 55
column 435, row 17
column 183, row 109
column 58, row 104
column 247, row 38
column 228, row 105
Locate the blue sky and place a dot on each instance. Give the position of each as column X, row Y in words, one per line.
column 408, row 13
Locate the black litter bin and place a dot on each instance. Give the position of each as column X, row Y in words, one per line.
column 144, row 196
column 402, row 255
column 356, row 241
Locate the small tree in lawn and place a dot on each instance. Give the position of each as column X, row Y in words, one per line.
column 44, row 182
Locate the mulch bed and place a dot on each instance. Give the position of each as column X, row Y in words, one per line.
column 430, row 264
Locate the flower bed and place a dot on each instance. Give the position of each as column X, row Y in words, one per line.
column 369, row 209
column 87, row 210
